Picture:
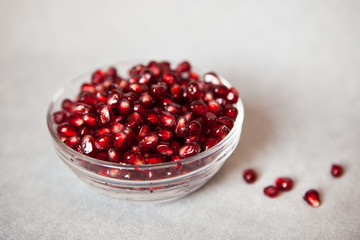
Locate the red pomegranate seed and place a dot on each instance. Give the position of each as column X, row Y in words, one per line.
column 104, row 142
column 152, row 117
column 284, row 184
column 134, row 158
column 144, row 130
column 173, row 108
column 228, row 121
column 88, row 87
column 180, row 129
column 170, row 78
column 60, row 117
column 312, row 198
column 211, row 77
column 87, row 98
column 147, row 100
column 71, row 141
column 176, row 92
column 164, row 134
column 249, row 175
column 85, row 131
column 105, row 114
column 65, row 130
column 148, row 142
column 231, row 111
column 130, row 135
column 232, row 96
column 111, row 72
column 134, row 120
column 101, row 97
column 336, row 170
column 164, row 149
column 199, row 107
column 131, row 97
column 155, row 68
column 120, row 141
column 194, row 127
column 81, row 108
column 193, row 91
column 189, row 150
column 88, row 144
column 102, row 131
column 220, row 130
column 124, row 107
column 167, row 119
column 158, row 90
column 113, row 155
column 67, row 105
column 208, row 96
column 192, row 139
column 154, row 159
column 139, row 108
column 183, row 67
column 209, row 143
column 116, row 127
column 76, row 121
column 215, row 107
column 98, row 77
column 271, row 191
column 147, row 76
column 138, row 88
column 221, row 91
column 89, row 119
column 101, row 156
column 113, row 100
column 209, row 119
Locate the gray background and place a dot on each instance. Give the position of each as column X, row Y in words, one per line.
column 295, row 63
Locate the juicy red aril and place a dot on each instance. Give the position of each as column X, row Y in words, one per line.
column 101, row 156
column 88, row 98
column 88, row 87
column 215, row 107
column 209, row 119
column 231, row 111
column 71, row 141
column 139, row 108
column 120, row 140
column 105, row 114
column 189, row 150
column 158, row 90
column 60, row 117
column 180, row 127
column 170, row 78
column 134, row 120
column 116, row 127
column 147, row 76
column 183, row 67
column 81, row 108
column 164, row 134
column 284, row 184
column 154, row 159
column 138, row 88
column 155, row 68
column 221, row 91
column 271, row 191
column 336, row 170
column 88, row 144
column 164, row 149
column 113, row 100
column 194, row 127
column 67, row 105
column 176, row 92
column 249, row 175
column 193, row 91
column 152, row 117
column 102, row 131
column 211, row 77
column 144, row 130
column 147, row 100
column 192, row 139
column 103, row 142
column 220, row 130
column 124, row 107
column 134, row 158
column 113, row 155
column 312, row 198
column 232, row 96
column 228, row 121
column 148, row 142
column 98, row 77
column 89, row 119
column 65, row 130
column 173, row 108
column 76, row 121
column 167, row 119
column 199, row 107
column 209, row 143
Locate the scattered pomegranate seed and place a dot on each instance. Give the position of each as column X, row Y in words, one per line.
column 157, row 114
column 312, row 198
column 336, row 170
column 249, row 175
column 271, row 191
column 284, row 184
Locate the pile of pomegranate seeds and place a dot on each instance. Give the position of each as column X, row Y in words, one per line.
column 157, row 114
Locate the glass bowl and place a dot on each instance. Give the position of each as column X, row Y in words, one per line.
column 145, row 183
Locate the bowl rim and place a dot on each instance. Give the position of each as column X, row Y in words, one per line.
column 52, row 129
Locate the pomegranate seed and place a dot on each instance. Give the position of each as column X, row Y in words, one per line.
column 89, row 119
column 208, row 96
column 98, row 77
column 101, row 156
column 215, row 107
column 232, row 96
column 164, row 149
column 76, row 121
column 170, row 78
column 199, row 107
column 175, row 145
column 136, row 70
column 144, row 130
column 284, row 184
column 312, row 198
column 120, row 141
column 194, row 76
column 209, row 143
column 228, row 121
column 67, row 105
column 183, row 67
column 65, row 130
column 88, row 87
column 87, row 98
column 173, row 108
column 113, row 100
column 105, row 114
column 113, row 155
column 158, row 90
column 336, row 170
column 167, row 119
column 111, row 72
column 103, row 142
column 189, row 150
column 102, row 131
column 193, row 91
column 166, row 100
column 148, row 142
column 155, row 68
column 124, row 85
column 271, row 191
column 194, row 127
column 152, row 117
column 220, row 130
column 221, row 91
column 139, row 108
column 147, row 100
column 130, row 96
column 85, row 131
column 81, row 108
column 124, row 107
column 231, row 111
column 175, row 158
column 180, row 127
column 147, row 76
column 192, row 139
column 88, row 144
column 176, row 92
column 138, row 88
column 116, row 127
column 134, row 158
column 60, row 117
column 71, row 141
column 249, row 175
column 164, row 134
column 130, row 135
column 101, row 97
column 211, row 77
column 134, row 120
column 209, row 119
column 154, row 159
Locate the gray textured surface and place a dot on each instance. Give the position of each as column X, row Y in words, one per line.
column 296, row 64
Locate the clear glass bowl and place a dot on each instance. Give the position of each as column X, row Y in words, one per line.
column 146, row 183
